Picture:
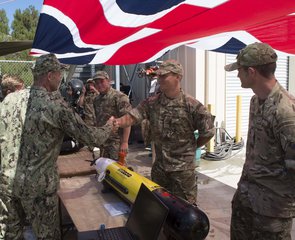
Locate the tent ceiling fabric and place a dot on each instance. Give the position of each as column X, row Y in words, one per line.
column 12, row 47
column 117, row 32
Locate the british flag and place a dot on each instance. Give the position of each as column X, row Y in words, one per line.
column 116, row 32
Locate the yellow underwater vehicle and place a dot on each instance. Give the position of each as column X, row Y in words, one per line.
column 184, row 222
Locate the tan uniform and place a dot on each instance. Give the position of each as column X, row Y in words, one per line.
column 267, row 186
column 172, row 126
column 113, row 103
column 89, row 114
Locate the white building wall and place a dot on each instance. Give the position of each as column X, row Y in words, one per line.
column 215, row 84
column 292, row 75
column 204, row 78
column 194, row 74
column 193, row 62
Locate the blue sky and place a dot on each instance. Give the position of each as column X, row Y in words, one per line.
column 11, row 5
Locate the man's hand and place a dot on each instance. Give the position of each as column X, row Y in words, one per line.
column 93, row 89
column 118, row 121
column 124, row 147
column 112, row 122
column 83, row 90
column 125, row 121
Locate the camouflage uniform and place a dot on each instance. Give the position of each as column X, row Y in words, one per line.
column 264, row 203
column 267, row 187
column 89, row 114
column 172, row 124
column 113, row 103
column 32, row 125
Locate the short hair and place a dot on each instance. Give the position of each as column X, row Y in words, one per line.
column 267, row 70
column 10, row 83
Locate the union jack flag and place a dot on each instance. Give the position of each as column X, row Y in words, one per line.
column 116, row 32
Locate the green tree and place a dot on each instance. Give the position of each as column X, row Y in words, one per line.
column 4, row 27
column 23, row 27
column 25, row 23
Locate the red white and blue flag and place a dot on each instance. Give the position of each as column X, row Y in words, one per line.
column 117, row 32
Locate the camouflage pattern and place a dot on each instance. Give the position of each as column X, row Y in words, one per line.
column 266, row 179
column 254, row 54
column 267, row 184
column 172, row 124
column 246, row 224
column 180, row 183
column 170, row 65
column 89, row 114
column 29, row 153
column 12, row 117
column 16, row 212
column 101, row 75
column 47, row 63
column 113, row 103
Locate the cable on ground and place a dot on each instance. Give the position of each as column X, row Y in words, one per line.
column 225, row 146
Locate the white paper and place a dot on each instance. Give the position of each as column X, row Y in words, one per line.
column 117, row 208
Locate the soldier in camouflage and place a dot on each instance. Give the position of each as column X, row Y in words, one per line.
column 264, row 203
column 173, row 117
column 32, row 125
column 111, row 102
column 88, row 100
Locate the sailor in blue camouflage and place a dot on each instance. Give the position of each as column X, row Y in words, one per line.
column 173, row 117
column 264, row 203
column 32, row 125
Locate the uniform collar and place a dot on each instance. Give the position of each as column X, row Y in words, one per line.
column 165, row 100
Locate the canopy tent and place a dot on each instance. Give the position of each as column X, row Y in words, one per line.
column 117, row 32
column 15, row 46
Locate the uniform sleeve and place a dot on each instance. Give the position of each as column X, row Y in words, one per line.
column 124, row 105
column 140, row 112
column 1, row 132
column 95, row 105
column 204, row 121
column 75, row 127
column 286, row 134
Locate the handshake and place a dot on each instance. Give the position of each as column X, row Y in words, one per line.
column 121, row 122
column 113, row 123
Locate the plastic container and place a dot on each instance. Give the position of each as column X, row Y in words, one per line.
column 96, row 153
column 198, row 151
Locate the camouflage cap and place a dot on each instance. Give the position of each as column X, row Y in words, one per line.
column 170, row 66
column 254, row 54
column 89, row 80
column 47, row 63
column 101, row 75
